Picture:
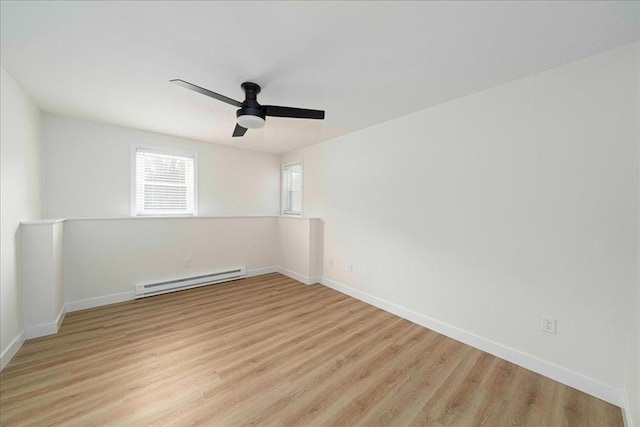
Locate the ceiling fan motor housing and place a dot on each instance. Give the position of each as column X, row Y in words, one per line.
column 251, row 115
column 250, row 111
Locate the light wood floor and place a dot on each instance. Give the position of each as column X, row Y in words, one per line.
column 271, row 351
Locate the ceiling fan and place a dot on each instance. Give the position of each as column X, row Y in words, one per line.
column 251, row 115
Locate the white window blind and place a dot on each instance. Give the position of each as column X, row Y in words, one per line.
column 164, row 183
column 292, row 189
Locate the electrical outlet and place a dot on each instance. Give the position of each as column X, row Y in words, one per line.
column 330, row 262
column 350, row 268
column 187, row 262
column 549, row 325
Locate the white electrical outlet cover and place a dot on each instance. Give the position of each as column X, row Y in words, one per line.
column 549, row 324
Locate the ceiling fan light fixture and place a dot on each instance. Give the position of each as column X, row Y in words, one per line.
column 250, row 121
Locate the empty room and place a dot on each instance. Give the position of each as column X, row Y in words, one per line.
column 320, row 213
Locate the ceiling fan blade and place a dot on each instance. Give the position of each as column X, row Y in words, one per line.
column 206, row 92
column 239, row 130
column 296, row 113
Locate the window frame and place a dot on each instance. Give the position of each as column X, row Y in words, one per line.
column 284, row 198
column 168, row 151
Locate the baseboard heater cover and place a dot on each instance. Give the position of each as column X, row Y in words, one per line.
column 190, row 282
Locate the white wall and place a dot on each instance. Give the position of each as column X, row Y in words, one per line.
column 486, row 212
column 86, row 167
column 299, row 241
column 86, row 174
column 42, row 277
column 105, row 259
column 632, row 380
column 20, row 195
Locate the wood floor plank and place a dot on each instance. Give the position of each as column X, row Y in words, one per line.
column 269, row 350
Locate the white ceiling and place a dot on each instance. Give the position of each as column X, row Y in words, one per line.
column 362, row 62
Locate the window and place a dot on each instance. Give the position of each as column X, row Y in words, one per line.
column 163, row 182
column 292, row 189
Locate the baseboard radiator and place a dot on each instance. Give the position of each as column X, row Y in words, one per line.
column 190, row 282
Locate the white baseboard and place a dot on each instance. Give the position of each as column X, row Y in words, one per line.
column 127, row 296
column 99, row 301
column 42, row 330
column 12, row 349
column 299, row 277
column 533, row 363
column 261, row 271
column 60, row 318
column 45, row 329
column 314, row 280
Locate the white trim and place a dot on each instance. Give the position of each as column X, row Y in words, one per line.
column 109, row 218
column 282, row 192
column 260, row 271
column 60, row 318
column 128, row 296
column 167, row 151
column 42, row 330
column 299, row 277
column 99, row 301
column 42, row 222
column 298, row 217
column 12, row 349
column 566, row 376
column 627, row 416
column 314, row 280
column 45, row 329
column 132, row 180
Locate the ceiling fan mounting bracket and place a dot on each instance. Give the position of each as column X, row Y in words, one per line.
column 251, row 88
